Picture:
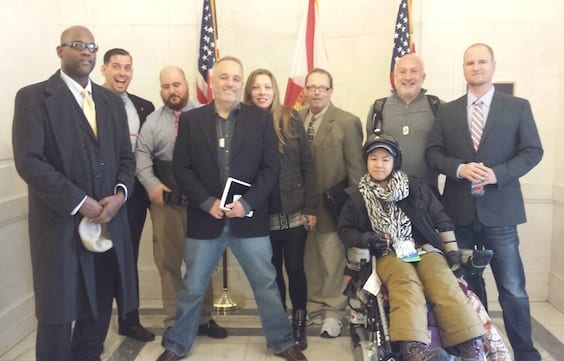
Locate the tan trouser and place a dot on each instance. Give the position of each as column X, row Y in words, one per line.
column 431, row 278
column 169, row 236
column 324, row 262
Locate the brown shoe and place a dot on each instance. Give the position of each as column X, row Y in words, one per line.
column 168, row 356
column 292, row 353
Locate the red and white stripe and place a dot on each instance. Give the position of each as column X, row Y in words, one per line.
column 309, row 53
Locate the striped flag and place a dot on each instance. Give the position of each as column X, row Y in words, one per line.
column 403, row 43
column 309, row 53
column 209, row 52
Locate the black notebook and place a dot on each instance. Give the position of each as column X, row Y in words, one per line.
column 233, row 190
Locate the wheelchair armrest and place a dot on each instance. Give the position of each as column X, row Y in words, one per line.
column 358, row 255
column 474, row 261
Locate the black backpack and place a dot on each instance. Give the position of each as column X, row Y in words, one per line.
column 378, row 107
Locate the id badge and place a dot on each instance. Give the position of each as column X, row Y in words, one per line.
column 406, row 251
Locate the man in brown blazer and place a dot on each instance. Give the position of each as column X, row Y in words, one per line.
column 336, row 141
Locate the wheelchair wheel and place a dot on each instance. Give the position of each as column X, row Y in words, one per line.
column 389, row 357
column 364, row 352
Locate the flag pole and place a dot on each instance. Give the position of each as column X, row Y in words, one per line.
column 225, row 302
column 410, row 23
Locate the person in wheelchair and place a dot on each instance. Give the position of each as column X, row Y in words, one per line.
column 400, row 219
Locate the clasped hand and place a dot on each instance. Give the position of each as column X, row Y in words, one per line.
column 236, row 210
column 478, row 173
column 104, row 210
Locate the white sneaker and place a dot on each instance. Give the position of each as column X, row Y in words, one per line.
column 331, row 328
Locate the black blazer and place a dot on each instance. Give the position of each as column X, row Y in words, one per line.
column 254, row 159
column 510, row 145
column 144, row 108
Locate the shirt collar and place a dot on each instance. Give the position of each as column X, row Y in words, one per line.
column 486, row 98
column 234, row 110
column 422, row 92
column 319, row 115
column 73, row 85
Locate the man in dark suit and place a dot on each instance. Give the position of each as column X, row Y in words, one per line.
column 482, row 195
column 75, row 166
column 221, row 140
column 118, row 70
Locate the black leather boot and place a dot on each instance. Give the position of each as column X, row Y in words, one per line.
column 298, row 327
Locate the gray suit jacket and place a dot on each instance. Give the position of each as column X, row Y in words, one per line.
column 510, row 145
column 60, row 159
column 337, row 151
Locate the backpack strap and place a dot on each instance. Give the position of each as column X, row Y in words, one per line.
column 378, row 108
column 377, row 114
column 434, row 103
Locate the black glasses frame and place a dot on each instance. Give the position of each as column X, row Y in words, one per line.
column 79, row 45
column 321, row 89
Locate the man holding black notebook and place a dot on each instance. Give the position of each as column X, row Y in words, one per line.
column 153, row 153
column 221, row 140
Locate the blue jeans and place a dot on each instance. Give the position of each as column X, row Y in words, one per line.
column 201, row 257
column 507, row 269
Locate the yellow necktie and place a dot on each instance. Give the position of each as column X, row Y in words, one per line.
column 89, row 110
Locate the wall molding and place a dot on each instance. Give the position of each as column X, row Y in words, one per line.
column 556, row 291
column 13, row 210
column 16, row 322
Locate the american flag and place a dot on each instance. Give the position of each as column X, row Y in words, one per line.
column 209, row 52
column 403, row 43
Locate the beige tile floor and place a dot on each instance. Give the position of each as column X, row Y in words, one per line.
column 246, row 344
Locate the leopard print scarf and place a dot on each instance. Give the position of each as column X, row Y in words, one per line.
column 383, row 212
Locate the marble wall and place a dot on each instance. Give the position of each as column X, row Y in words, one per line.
column 358, row 36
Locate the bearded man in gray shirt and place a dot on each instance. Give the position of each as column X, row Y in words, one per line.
column 153, row 154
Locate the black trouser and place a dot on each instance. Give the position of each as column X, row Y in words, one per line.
column 84, row 342
column 137, row 206
column 288, row 246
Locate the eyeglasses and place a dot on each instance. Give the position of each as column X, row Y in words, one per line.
column 79, row 45
column 313, row 88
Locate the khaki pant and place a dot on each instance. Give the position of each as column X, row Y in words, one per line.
column 169, row 236
column 410, row 284
column 324, row 263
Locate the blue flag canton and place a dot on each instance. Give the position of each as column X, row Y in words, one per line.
column 206, row 60
column 402, row 41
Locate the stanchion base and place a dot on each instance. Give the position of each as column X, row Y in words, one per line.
column 225, row 302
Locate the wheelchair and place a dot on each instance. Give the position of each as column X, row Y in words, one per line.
column 367, row 299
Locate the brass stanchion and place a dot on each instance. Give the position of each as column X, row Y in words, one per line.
column 225, row 302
